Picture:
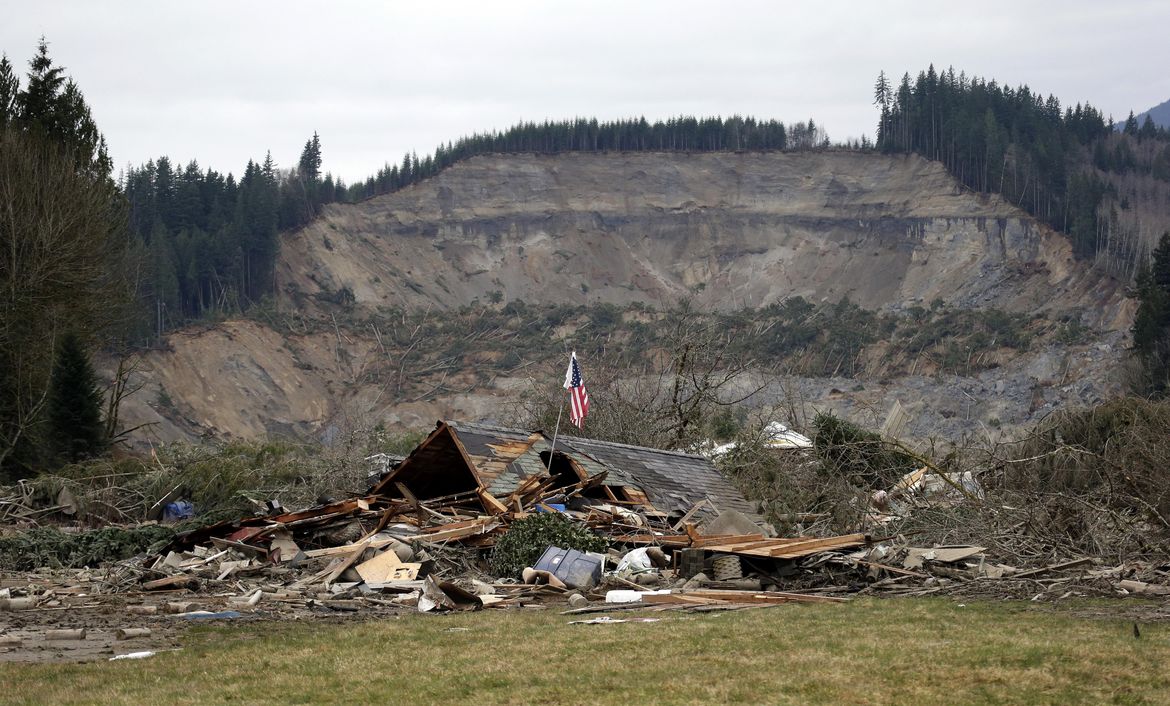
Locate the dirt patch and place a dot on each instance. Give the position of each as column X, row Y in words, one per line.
column 102, row 618
column 101, row 624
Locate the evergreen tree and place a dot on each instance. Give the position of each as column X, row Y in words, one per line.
column 52, row 108
column 1148, row 129
column 9, row 90
column 1151, row 326
column 1161, row 263
column 63, row 262
column 1131, row 125
column 882, row 96
column 76, row 430
column 42, row 88
column 310, row 163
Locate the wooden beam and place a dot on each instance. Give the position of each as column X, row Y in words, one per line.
column 691, row 513
column 491, row 503
column 459, row 532
column 699, row 541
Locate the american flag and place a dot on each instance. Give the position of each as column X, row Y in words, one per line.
column 578, row 397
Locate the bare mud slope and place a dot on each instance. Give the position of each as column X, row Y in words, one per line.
column 745, row 228
column 728, row 229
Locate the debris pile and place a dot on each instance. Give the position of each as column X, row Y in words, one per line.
column 377, row 555
column 601, row 527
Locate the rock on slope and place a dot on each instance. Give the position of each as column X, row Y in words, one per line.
column 730, row 229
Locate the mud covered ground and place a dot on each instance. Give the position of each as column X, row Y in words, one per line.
column 101, row 617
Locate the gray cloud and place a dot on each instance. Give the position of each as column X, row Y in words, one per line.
column 223, row 82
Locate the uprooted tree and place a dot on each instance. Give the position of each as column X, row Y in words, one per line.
column 859, row 455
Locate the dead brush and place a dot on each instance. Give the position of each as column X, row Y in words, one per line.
column 1085, row 483
column 791, row 489
column 222, row 482
column 1097, row 479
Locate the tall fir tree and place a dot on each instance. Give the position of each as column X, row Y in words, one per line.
column 9, row 92
column 1151, row 325
column 76, row 431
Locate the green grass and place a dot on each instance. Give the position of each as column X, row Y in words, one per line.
column 866, row 652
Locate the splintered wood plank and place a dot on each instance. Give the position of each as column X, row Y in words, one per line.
column 787, row 548
column 343, row 563
column 793, row 551
column 465, row 529
column 744, row 546
column 732, row 540
column 347, row 548
column 491, row 503
column 700, row 541
column 680, row 540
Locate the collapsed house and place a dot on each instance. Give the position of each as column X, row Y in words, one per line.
column 499, row 467
column 424, row 530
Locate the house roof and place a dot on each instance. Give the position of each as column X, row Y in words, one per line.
column 674, row 481
column 501, row 458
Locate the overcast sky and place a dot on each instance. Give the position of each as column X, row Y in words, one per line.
column 225, row 81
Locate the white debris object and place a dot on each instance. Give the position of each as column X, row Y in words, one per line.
column 623, row 595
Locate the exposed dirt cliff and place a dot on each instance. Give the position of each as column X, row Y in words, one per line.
column 736, row 229
column 730, row 230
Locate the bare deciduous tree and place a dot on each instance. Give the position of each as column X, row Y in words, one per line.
column 670, row 402
column 60, row 269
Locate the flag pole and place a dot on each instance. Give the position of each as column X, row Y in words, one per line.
column 556, row 430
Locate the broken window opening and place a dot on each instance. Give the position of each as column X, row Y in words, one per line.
column 436, row 469
column 565, row 473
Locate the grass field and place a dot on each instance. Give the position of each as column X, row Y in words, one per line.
column 908, row 651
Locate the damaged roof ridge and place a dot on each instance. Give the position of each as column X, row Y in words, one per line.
column 458, row 424
column 615, row 444
column 525, row 432
column 481, row 425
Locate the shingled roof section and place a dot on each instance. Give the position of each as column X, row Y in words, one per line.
column 674, row 481
column 495, row 452
column 502, row 458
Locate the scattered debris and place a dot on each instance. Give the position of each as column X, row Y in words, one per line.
column 625, row 535
column 135, row 655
